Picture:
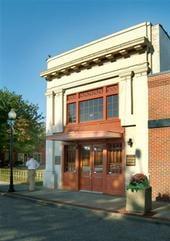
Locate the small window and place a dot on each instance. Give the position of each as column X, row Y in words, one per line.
column 115, row 158
column 70, row 159
column 112, row 106
column 71, row 113
column 91, row 110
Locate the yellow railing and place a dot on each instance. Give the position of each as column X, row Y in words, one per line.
column 19, row 175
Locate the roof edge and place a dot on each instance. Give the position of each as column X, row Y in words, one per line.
column 99, row 40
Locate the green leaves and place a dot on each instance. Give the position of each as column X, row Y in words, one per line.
column 138, row 181
column 29, row 125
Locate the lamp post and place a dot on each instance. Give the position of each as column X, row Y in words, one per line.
column 11, row 121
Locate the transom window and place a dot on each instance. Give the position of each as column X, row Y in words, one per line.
column 72, row 113
column 112, row 106
column 91, row 110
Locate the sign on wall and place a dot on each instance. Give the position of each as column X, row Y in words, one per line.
column 130, row 160
column 57, row 160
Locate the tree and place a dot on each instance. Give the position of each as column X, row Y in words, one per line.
column 29, row 126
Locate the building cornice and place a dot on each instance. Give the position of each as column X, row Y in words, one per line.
column 98, row 58
column 119, row 73
column 100, row 40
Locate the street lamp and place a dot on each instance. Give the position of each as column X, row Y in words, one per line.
column 11, row 121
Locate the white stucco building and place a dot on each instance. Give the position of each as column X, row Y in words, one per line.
column 97, row 109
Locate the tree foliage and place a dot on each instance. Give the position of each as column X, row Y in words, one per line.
column 29, row 127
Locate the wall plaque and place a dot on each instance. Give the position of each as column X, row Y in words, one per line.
column 57, row 160
column 130, row 160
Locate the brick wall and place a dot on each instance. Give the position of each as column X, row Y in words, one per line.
column 159, row 161
column 159, row 138
column 159, row 96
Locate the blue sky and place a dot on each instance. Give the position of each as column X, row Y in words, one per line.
column 32, row 29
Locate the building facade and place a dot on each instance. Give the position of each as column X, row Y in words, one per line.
column 97, row 109
column 159, row 134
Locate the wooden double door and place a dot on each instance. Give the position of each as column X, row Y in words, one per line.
column 91, row 167
column 94, row 167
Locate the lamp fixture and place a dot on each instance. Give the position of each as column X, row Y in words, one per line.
column 11, row 121
column 130, row 142
column 12, row 115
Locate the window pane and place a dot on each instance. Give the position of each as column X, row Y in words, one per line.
column 85, row 157
column 98, row 159
column 112, row 106
column 72, row 113
column 115, row 158
column 91, row 110
column 70, row 158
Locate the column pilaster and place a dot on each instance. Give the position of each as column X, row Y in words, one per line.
column 126, row 99
column 141, row 109
column 59, row 110
column 50, row 179
column 49, row 112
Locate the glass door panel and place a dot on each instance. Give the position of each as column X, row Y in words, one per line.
column 92, row 167
column 98, row 159
column 85, row 158
column 97, row 168
column 85, row 176
column 70, row 158
column 115, row 158
column 69, row 172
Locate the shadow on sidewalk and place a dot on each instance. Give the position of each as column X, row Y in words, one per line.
column 88, row 200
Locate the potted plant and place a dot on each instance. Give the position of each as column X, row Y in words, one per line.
column 139, row 194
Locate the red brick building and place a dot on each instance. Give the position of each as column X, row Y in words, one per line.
column 159, row 134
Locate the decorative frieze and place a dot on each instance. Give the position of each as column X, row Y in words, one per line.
column 110, row 57
column 124, row 53
column 91, row 93
column 65, row 71
column 75, row 68
column 98, row 61
column 71, row 97
column 107, row 90
column 86, row 65
column 113, row 89
column 98, row 58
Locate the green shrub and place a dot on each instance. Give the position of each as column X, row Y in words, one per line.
column 137, row 182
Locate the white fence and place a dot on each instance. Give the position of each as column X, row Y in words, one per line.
column 19, row 175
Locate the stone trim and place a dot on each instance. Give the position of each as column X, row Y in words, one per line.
column 159, row 123
column 109, row 54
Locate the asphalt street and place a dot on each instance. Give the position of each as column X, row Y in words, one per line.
column 22, row 220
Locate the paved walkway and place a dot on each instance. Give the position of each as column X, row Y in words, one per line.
column 94, row 201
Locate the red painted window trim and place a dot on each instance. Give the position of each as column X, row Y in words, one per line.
column 76, row 98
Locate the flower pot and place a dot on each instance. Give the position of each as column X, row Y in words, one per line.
column 139, row 201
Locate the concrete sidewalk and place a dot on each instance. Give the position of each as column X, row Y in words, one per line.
column 93, row 201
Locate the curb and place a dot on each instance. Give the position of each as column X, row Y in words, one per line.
column 43, row 201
